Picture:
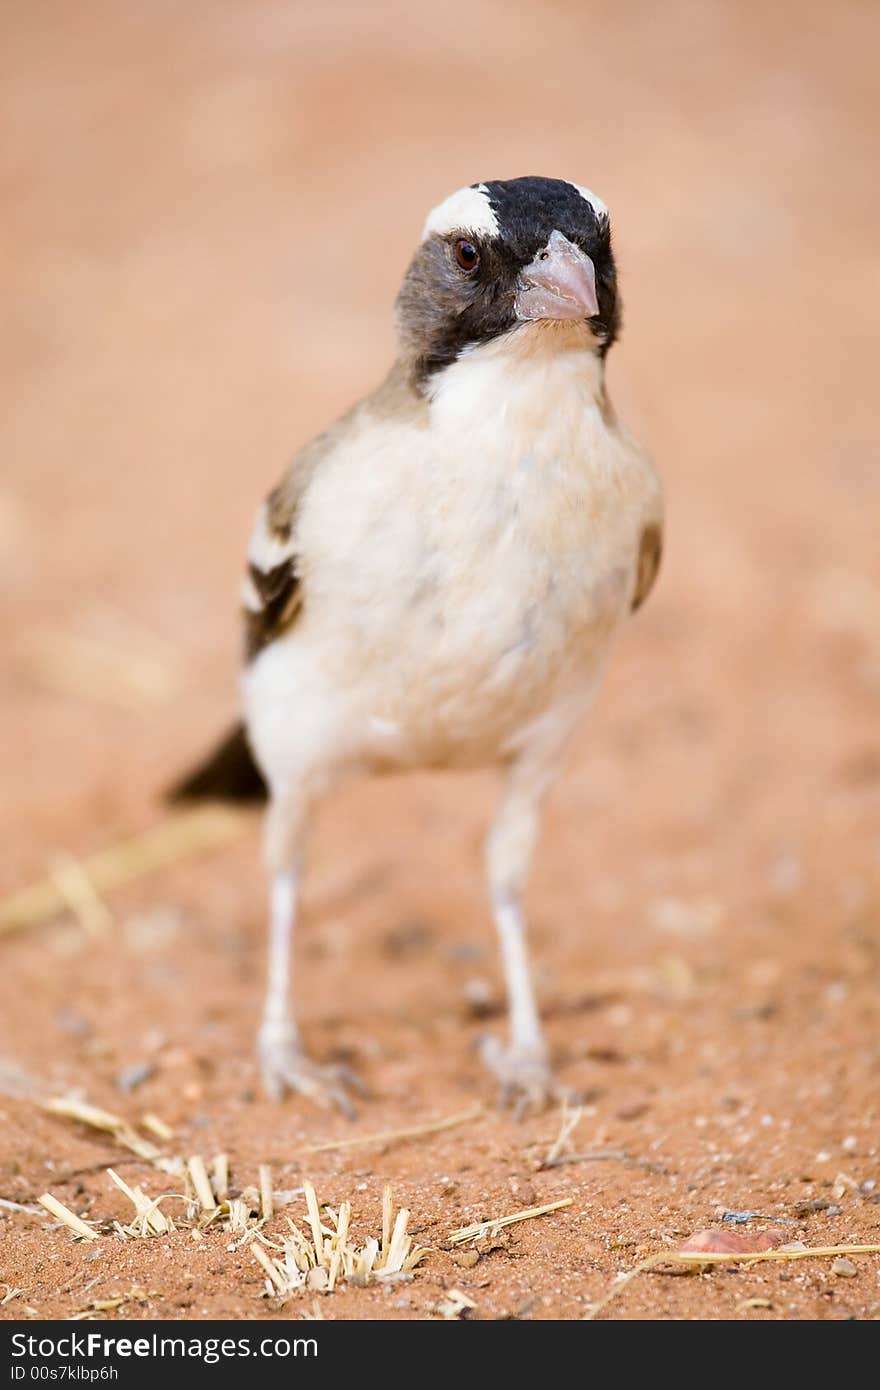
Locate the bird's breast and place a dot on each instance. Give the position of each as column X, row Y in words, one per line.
column 460, row 575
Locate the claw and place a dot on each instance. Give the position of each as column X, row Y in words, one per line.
column 527, row 1083
column 284, row 1067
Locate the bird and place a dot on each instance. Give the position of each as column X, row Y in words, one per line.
column 437, row 579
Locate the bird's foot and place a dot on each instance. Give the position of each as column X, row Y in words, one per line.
column 527, row 1082
column 285, row 1067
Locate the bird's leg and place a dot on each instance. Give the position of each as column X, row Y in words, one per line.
column 522, row 1066
column 278, row 1030
column 283, row 1064
column 525, row 1027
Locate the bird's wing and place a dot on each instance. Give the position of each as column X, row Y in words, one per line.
column 272, row 592
column 272, row 589
column 648, row 563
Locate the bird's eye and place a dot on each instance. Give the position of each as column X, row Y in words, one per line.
column 467, row 257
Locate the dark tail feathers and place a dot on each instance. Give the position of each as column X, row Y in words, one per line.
column 229, row 773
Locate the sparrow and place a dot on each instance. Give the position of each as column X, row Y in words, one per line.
column 437, row 579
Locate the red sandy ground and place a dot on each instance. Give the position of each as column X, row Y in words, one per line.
column 207, row 211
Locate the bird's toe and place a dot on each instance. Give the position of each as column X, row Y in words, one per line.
column 524, row 1074
column 284, row 1068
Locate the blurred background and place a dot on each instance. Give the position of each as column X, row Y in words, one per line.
column 208, row 209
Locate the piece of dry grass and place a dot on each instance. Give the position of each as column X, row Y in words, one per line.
column 149, row 1220
column 389, row 1136
column 239, row 1216
column 276, row 1278
column 695, row 1259
column 104, row 1120
column 267, row 1205
column 560, row 1152
column 179, row 837
column 317, row 1259
column 10, row 1294
column 220, row 1176
column 79, row 893
column 203, row 1206
column 158, row 1127
column 570, row 1120
column 99, row 1307
column 201, row 1183
column 485, row 1228
column 328, row 1255
column 126, row 675
column 67, row 1217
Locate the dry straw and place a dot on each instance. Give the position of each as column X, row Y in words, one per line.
column 267, row 1205
column 106, row 1121
column 388, row 1136
column 99, row 1307
column 201, row 1183
column 158, row 1127
column 75, row 664
column 220, row 1176
column 328, row 1255
column 67, row 1217
column 694, row 1259
column 485, row 1228
column 149, row 1220
column 79, row 893
column 180, row 837
column 569, row 1123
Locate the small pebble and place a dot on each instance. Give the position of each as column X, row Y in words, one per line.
column 466, row 1259
column 72, row 1023
column 129, row 1078
column 634, row 1111
column 844, row 1268
column 523, row 1190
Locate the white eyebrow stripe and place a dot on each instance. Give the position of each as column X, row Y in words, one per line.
column 466, row 210
column 592, row 198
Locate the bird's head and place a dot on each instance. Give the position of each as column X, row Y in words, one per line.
column 497, row 256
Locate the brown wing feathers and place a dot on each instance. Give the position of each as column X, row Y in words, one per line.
column 650, row 551
column 280, row 599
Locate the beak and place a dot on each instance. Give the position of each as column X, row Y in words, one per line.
column 560, row 283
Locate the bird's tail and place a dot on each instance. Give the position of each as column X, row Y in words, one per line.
column 229, row 773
